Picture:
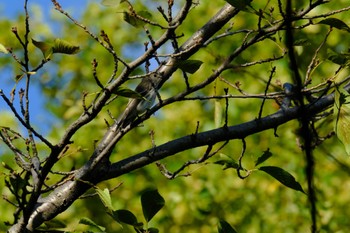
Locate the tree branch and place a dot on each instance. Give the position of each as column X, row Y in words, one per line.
column 216, row 135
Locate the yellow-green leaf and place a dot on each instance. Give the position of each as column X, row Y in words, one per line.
column 105, row 198
column 62, row 46
column 92, row 224
column 218, row 113
column 342, row 116
column 46, row 48
column 3, row 49
column 110, row 2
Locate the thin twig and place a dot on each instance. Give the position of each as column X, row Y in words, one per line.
column 314, row 62
column 21, row 120
column 265, row 92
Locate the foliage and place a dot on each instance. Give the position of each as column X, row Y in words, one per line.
column 225, row 141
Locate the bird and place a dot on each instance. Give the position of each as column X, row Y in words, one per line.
column 137, row 106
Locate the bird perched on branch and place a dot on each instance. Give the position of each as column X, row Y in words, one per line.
column 137, row 106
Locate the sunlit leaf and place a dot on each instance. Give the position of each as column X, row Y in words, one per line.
column 267, row 154
column 189, row 66
column 3, row 49
column 145, row 14
column 110, row 2
column 218, row 113
column 283, row 177
column 336, row 23
column 6, row 166
column 151, row 202
column 58, row 46
column 225, row 227
column 105, row 197
column 62, row 46
column 90, row 223
column 342, row 116
column 46, row 48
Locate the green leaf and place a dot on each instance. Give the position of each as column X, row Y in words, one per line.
column 301, row 42
column 126, row 92
column 62, row 46
column 3, row 49
column 46, row 48
column 58, row 46
column 218, row 113
column 105, row 197
column 125, row 216
column 283, row 177
column 267, row 154
column 17, row 183
column 342, row 116
column 110, row 2
column 336, row 23
column 189, row 66
column 92, row 224
column 6, row 166
column 19, row 77
column 225, row 227
column 239, row 4
column 152, row 230
column 151, row 202
column 342, row 59
column 227, row 163
column 55, row 224
column 145, row 14
column 131, row 19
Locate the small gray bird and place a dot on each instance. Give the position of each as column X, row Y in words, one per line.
column 138, row 106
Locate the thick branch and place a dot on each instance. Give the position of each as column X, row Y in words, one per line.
column 64, row 196
column 217, row 135
column 190, row 47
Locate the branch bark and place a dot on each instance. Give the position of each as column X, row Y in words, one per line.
column 62, row 197
column 98, row 168
column 217, row 135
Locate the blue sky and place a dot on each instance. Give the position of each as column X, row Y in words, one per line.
column 12, row 8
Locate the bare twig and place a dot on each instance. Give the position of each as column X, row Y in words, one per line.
column 314, row 62
column 240, row 167
column 266, row 89
column 21, row 120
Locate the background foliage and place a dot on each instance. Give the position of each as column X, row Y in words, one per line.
column 194, row 203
